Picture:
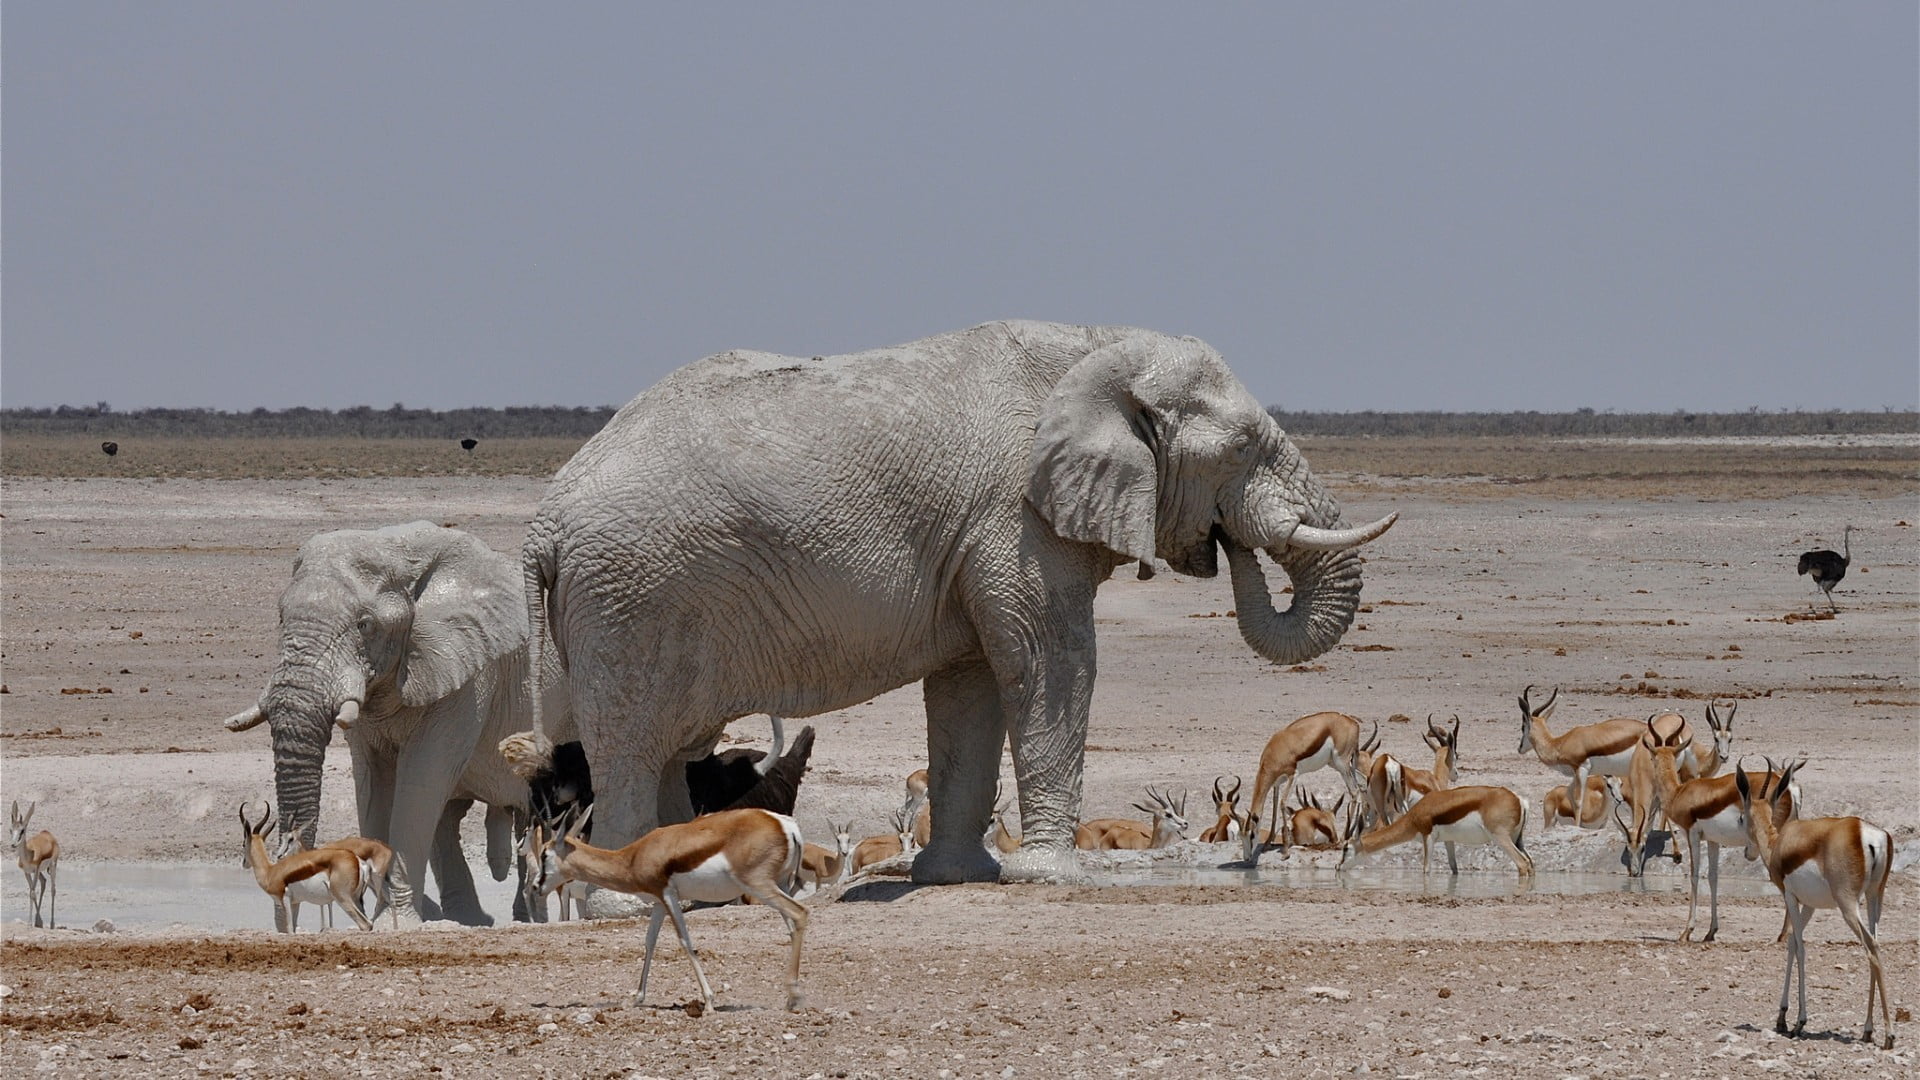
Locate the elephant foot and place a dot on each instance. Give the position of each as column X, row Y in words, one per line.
column 467, row 916
column 1033, row 863
column 607, row 904
column 954, row 865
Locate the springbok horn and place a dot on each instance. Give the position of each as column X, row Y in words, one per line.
column 1309, row 538
column 349, row 713
column 241, row 721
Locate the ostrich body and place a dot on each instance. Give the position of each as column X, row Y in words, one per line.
column 1828, row 566
column 109, row 448
column 469, row 444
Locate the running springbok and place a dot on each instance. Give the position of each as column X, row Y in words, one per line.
column 1312, row 742
column 320, row 876
column 1816, row 863
column 1125, row 834
column 1226, row 821
column 1462, row 815
column 716, row 858
column 39, row 859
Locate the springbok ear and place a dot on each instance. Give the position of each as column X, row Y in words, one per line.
column 1093, row 473
column 468, row 611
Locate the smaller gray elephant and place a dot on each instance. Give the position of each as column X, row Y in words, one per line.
column 413, row 640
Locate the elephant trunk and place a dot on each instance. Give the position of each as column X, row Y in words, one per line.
column 302, row 710
column 298, row 754
column 1326, row 593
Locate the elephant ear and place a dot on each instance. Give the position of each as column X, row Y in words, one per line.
column 468, row 611
column 1093, row 472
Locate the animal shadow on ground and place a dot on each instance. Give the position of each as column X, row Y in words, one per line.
column 878, row 892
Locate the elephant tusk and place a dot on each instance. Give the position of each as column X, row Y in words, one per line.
column 349, row 712
column 1309, row 538
column 244, row 720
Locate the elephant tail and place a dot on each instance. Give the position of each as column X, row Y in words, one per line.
column 530, row 753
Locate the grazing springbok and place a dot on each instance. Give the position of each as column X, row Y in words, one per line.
column 875, row 849
column 717, row 858
column 376, row 870
column 1705, row 810
column 820, row 867
column 1125, row 834
column 1604, row 749
column 1462, row 815
column 39, row 859
column 321, row 876
column 1226, row 819
column 1816, row 863
column 1312, row 742
column 1312, row 825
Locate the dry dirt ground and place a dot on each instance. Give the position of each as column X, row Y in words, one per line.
column 139, row 613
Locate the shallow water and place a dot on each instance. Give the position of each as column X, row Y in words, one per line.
column 1468, row 883
column 201, row 896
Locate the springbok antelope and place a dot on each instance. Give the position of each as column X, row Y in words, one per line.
column 533, row 847
column 39, row 859
column 717, row 858
column 1604, row 749
column 1706, row 810
column 1462, row 815
column 880, row 848
column 1125, row 834
column 1692, row 762
column 1392, row 784
column 921, row 806
column 376, row 869
column 1313, row 825
column 820, row 867
column 321, row 876
column 1004, row 839
column 1312, row 742
column 1602, row 793
column 1226, row 821
column 1816, row 863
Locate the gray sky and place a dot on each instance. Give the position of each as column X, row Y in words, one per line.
column 1390, row 206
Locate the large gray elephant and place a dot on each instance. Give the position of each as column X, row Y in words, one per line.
column 762, row 533
column 413, row 639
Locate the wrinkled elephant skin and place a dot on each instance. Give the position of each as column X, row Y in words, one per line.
column 763, row 533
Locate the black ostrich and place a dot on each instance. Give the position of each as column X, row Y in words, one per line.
column 469, row 444
column 1828, row 566
column 109, row 448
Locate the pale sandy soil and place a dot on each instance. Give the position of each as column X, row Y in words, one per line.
column 1629, row 607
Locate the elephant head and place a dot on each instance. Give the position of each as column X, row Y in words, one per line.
column 1149, row 446
column 373, row 623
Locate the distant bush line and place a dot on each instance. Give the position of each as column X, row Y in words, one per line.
column 400, row 422
column 1587, row 422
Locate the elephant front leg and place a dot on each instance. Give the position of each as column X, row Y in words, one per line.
column 965, row 731
column 1048, row 721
